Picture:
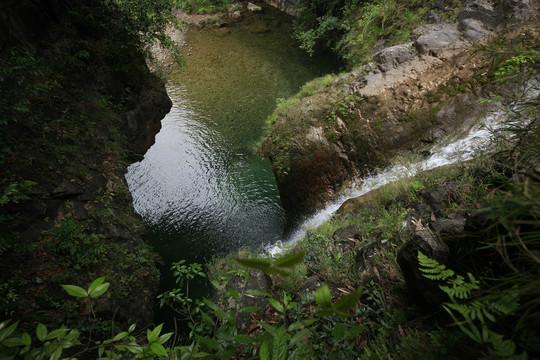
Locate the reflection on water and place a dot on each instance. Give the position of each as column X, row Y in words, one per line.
column 191, row 185
column 200, row 189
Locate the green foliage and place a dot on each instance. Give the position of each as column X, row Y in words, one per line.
column 279, row 265
column 204, row 6
column 474, row 317
column 75, row 246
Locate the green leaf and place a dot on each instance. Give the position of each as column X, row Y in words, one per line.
column 132, row 328
column 348, row 301
column 5, row 332
column 262, row 264
column 12, row 342
column 120, row 336
column 41, row 331
column 255, row 292
column 279, row 351
column 264, row 351
column 323, row 297
column 290, row 260
column 163, row 338
column 233, row 293
column 300, row 324
column 271, row 329
column 277, row 305
column 210, row 343
column 74, row 290
column 153, row 335
column 249, row 309
column 339, row 331
column 26, row 339
column 56, row 334
column 244, row 339
column 354, row 332
column 95, row 284
column 99, row 290
column 158, row 349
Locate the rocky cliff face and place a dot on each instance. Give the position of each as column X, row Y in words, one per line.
column 409, row 95
column 90, row 105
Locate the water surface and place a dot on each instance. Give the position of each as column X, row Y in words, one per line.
column 200, row 188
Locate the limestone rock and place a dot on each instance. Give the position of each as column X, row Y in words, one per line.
column 437, row 38
column 473, row 29
column 393, row 56
column 253, row 7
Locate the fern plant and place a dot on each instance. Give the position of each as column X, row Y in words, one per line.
column 474, row 316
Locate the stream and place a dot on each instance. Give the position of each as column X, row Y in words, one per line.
column 201, row 189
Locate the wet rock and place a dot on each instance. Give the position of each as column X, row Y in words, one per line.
column 393, row 56
column 424, row 292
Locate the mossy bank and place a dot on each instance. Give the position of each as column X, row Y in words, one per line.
column 78, row 105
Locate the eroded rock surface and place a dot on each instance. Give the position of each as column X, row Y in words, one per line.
column 411, row 94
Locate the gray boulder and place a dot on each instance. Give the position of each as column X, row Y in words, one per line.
column 434, row 39
column 393, row 56
column 473, row 29
column 481, row 10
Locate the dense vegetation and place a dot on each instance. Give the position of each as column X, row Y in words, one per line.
column 352, row 28
column 490, row 306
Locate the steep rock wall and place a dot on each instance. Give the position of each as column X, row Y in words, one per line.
column 91, row 105
column 411, row 94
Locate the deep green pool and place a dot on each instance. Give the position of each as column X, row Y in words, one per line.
column 200, row 188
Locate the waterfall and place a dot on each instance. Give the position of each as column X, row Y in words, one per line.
column 458, row 148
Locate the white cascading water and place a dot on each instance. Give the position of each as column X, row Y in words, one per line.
column 460, row 148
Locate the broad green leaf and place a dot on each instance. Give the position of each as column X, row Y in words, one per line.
column 262, row 264
column 158, row 349
column 120, row 336
column 95, row 284
column 348, row 301
column 300, row 324
column 271, row 329
column 264, row 351
column 26, row 339
column 249, row 309
column 339, row 331
column 210, row 343
column 56, row 334
column 244, row 339
column 132, row 328
column 99, row 290
column 354, row 332
column 7, row 331
column 12, row 342
column 163, row 338
column 134, row 348
column 256, row 292
column 323, row 297
column 276, row 305
column 233, row 293
column 41, row 331
column 74, row 290
column 290, row 260
column 153, row 335
column 279, row 350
